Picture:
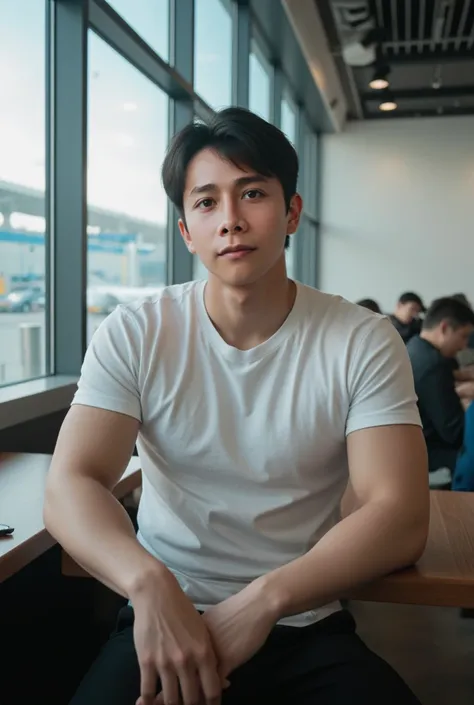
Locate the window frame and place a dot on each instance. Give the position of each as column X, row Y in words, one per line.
column 66, row 162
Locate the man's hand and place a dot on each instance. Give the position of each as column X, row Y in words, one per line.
column 240, row 626
column 173, row 644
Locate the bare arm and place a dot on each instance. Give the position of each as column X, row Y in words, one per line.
column 387, row 530
column 465, row 374
column 92, row 452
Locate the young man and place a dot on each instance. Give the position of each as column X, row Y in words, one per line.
column 406, row 317
column 446, row 330
column 254, row 400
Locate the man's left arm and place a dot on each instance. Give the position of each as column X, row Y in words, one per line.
column 387, row 531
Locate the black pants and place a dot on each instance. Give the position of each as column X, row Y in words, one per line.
column 323, row 664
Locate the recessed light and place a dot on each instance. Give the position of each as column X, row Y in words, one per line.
column 130, row 107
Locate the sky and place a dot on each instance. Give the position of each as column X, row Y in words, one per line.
column 127, row 113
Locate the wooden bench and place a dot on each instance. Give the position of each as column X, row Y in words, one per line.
column 22, row 485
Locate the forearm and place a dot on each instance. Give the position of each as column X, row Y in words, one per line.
column 465, row 374
column 94, row 528
column 371, row 542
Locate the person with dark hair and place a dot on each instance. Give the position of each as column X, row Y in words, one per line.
column 446, row 328
column 406, row 316
column 370, row 304
column 253, row 400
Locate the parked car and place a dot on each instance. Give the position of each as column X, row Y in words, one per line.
column 22, row 300
column 101, row 302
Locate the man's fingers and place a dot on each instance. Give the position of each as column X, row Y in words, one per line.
column 170, row 688
column 211, row 684
column 148, row 680
column 190, row 686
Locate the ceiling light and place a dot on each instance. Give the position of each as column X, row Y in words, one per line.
column 387, row 105
column 378, row 84
column 380, row 78
column 130, row 107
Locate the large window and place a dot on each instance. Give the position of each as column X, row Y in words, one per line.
column 150, row 19
column 213, row 52
column 23, row 229
column 127, row 208
column 260, row 84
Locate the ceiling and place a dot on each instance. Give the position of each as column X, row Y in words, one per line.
column 427, row 47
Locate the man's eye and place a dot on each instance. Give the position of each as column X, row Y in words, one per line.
column 252, row 194
column 205, row 203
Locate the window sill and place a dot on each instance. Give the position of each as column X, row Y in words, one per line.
column 31, row 400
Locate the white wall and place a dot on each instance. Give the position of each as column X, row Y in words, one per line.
column 397, row 209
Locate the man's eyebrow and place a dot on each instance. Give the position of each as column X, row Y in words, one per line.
column 241, row 181
column 205, row 188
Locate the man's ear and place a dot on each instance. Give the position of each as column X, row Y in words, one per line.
column 294, row 214
column 186, row 236
column 444, row 326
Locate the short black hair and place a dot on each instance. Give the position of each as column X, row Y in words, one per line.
column 448, row 309
column 462, row 298
column 410, row 297
column 240, row 136
column 370, row 304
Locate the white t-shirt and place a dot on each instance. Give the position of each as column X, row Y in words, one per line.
column 243, row 452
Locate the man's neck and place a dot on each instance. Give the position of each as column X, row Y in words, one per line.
column 248, row 316
column 430, row 337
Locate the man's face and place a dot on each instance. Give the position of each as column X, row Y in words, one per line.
column 454, row 340
column 408, row 311
column 236, row 220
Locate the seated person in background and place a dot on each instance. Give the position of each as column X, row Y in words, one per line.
column 463, row 479
column 406, row 317
column 446, row 328
column 466, row 357
column 370, row 304
column 254, row 399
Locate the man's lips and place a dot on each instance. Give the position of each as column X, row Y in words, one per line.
column 236, row 252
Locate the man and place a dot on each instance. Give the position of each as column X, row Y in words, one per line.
column 446, row 329
column 406, row 317
column 254, row 399
column 370, row 304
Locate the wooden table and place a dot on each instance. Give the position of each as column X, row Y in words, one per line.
column 22, row 484
column 444, row 576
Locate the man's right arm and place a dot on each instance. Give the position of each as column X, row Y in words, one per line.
column 171, row 639
column 92, row 452
column 438, row 396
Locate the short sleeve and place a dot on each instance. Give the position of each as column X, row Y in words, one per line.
column 109, row 375
column 381, row 385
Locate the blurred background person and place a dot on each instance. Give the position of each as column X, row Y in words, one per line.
column 370, row 304
column 406, row 317
column 446, row 328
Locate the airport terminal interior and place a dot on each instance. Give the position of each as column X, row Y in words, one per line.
column 377, row 98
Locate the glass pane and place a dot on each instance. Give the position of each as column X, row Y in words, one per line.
column 259, row 94
column 22, row 190
column 213, row 52
column 127, row 207
column 288, row 119
column 149, row 19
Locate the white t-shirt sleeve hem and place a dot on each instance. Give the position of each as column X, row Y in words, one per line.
column 408, row 418
column 106, row 403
